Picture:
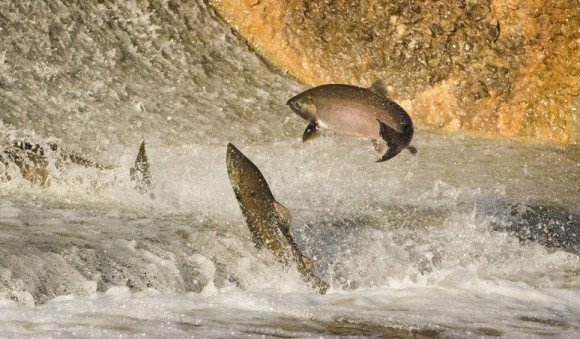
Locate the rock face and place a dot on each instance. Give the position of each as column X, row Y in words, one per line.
column 500, row 68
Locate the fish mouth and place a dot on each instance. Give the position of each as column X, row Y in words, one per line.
column 293, row 106
column 295, row 110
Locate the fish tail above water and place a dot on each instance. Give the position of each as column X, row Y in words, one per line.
column 396, row 142
column 140, row 173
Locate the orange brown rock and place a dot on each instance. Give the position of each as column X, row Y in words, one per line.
column 503, row 68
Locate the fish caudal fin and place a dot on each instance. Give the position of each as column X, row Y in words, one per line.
column 140, row 173
column 312, row 131
column 391, row 137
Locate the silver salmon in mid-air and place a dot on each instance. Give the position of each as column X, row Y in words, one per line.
column 268, row 221
column 356, row 111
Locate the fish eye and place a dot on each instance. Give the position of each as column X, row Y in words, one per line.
column 295, row 104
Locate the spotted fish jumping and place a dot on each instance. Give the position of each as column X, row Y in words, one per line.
column 268, row 220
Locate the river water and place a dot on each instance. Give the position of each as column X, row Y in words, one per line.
column 469, row 238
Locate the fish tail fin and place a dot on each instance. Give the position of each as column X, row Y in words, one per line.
column 389, row 154
column 391, row 137
column 140, row 173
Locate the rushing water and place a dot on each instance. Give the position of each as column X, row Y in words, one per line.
column 469, row 238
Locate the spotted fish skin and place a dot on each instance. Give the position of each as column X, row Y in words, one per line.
column 268, row 221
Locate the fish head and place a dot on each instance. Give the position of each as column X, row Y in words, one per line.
column 236, row 161
column 247, row 181
column 303, row 105
column 264, row 216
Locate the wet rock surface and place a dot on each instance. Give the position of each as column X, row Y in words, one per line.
column 502, row 67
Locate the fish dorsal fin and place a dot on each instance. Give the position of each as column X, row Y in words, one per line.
column 312, row 131
column 284, row 215
column 378, row 87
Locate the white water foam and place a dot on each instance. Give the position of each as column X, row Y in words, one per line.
column 470, row 238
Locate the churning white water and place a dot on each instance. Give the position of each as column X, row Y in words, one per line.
column 470, row 238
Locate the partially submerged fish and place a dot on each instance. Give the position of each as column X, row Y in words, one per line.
column 32, row 160
column 356, row 111
column 268, row 221
column 29, row 159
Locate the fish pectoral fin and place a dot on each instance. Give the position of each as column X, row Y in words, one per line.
column 390, row 136
column 284, row 215
column 312, row 131
column 378, row 87
column 378, row 145
column 412, row 149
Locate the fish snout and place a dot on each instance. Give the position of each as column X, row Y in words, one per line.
column 234, row 163
column 301, row 106
column 294, row 105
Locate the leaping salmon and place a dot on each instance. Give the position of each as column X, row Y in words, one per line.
column 356, row 111
column 268, row 220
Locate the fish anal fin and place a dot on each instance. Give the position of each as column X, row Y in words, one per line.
column 378, row 87
column 312, row 131
column 412, row 149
